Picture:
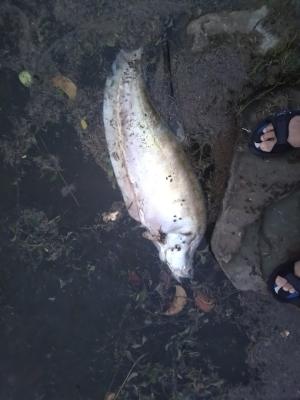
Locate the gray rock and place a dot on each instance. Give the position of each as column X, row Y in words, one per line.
column 256, row 229
column 243, row 22
column 280, row 232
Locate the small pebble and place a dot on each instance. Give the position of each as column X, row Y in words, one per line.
column 285, row 333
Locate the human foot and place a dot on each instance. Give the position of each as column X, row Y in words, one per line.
column 277, row 133
column 269, row 139
column 282, row 283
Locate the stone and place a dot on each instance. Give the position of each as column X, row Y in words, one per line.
column 244, row 22
column 280, row 232
column 259, row 225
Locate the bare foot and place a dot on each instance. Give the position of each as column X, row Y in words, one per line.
column 269, row 138
column 297, row 269
column 283, row 283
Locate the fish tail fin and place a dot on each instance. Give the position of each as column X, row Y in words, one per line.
column 127, row 57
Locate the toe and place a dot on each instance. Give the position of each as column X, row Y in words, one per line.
column 267, row 146
column 288, row 288
column 268, row 135
column 280, row 281
column 285, row 288
column 268, row 128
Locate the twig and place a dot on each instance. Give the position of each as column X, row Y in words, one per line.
column 174, row 379
column 119, row 336
column 60, row 174
column 259, row 96
column 128, row 375
column 229, row 295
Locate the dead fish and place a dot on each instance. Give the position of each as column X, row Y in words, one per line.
column 158, row 185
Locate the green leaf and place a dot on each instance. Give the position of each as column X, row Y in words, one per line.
column 25, row 78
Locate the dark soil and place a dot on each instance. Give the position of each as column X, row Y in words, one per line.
column 81, row 299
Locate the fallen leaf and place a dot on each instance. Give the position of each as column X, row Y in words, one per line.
column 134, row 279
column 66, row 85
column 25, row 78
column 83, row 124
column 110, row 396
column 178, row 302
column 203, row 302
column 111, row 216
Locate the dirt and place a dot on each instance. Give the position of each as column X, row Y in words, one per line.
column 83, row 297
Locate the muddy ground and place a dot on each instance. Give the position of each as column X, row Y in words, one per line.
column 82, row 299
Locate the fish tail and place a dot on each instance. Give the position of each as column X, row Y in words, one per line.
column 125, row 58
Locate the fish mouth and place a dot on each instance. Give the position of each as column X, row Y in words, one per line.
column 178, row 262
column 182, row 274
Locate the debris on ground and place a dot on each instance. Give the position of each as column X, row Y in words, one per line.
column 111, row 216
column 25, row 78
column 203, row 302
column 178, row 302
column 66, row 85
column 83, row 124
column 92, row 292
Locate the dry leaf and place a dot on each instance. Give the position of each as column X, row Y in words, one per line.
column 203, row 302
column 83, row 124
column 66, row 85
column 179, row 301
column 110, row 396
column 111, row 216
column 134, row 279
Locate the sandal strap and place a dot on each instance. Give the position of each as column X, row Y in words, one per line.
column 281, row 126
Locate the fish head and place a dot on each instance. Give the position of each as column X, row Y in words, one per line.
column 177, row 252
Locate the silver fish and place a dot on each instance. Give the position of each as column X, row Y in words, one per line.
column 158, row 185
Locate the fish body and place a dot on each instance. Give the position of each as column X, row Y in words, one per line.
column 158, row 185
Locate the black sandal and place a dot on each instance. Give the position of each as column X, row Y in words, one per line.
column 280, row 122
column 286, row 271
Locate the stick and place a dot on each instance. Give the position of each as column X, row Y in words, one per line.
column 61, row 175
column 259, row 96
column 128, row 375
